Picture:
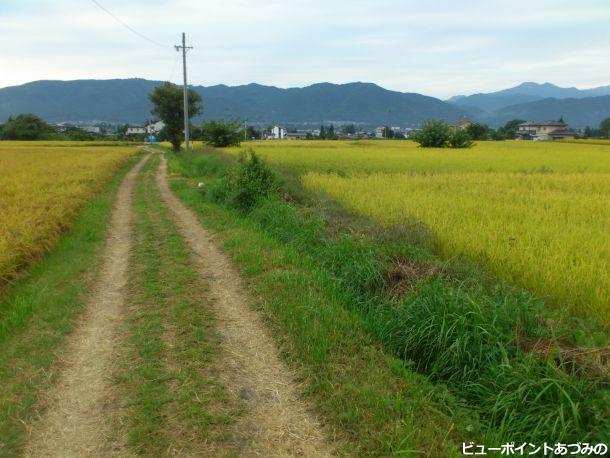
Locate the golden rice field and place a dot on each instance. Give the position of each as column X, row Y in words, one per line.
column 42, row 185
column 533, row 214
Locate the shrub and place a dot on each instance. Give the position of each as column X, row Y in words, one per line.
column 460, row 139
column 220, row 134
column 478, row 131
column 253, row 180
column 434, row 134
column 243, row 186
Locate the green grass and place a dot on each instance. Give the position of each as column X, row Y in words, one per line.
column 38, row 312
column 327, row 291
column 172, row 400
column 374, row 404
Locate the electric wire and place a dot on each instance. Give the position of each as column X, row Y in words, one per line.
column 127, row 26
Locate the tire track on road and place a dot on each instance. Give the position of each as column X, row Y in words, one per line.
column 77, row 408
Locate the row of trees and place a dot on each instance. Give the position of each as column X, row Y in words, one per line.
column 30, row 127
column 602, row 131
column 439, row 134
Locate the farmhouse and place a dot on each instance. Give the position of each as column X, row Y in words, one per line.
column 547, row 130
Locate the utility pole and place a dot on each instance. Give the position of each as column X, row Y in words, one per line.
column 245, row 131
column 184, row 48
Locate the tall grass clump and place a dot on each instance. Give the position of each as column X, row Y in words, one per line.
column 457, row 329
column 243, row 186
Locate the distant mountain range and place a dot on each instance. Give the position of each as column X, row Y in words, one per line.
column 524, row 93
column 126, row 101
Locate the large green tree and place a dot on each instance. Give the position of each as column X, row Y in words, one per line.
column 169, row 107
column 478, row 131
column 434, row 134
column 26, row 127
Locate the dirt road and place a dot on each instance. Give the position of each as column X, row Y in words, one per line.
column 75, row 423
column 78, row 410
column 278, row 422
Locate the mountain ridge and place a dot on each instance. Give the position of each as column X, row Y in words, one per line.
column 523, row 93
column 126, row 101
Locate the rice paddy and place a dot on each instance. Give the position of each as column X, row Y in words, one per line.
column 533, row 214
column 42, row 186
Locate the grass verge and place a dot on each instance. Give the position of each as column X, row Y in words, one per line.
column 38, row 312
column 476, row 359
column 174, row 404
column 371, row 402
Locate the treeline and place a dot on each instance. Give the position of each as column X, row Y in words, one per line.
column 31, row 127
column 28, row 126
column 603, row 131
column 439, row 134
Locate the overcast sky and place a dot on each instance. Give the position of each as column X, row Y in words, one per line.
column 439, row 48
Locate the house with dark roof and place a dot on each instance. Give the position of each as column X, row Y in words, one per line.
column 546, row 130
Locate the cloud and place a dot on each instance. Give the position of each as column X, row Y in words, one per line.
column 437, row 47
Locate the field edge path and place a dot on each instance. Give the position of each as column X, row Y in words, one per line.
column 74, row 423
column 277, row 421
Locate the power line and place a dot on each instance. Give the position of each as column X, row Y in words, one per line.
column 171, row 76
column 127, row 26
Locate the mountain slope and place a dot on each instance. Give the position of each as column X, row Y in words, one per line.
column 123, row 101
column 578, row 113
column 524, row 93
column 83, row 100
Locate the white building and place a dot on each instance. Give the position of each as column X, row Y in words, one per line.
column 379, row 132
column 135, row 130
column 155, row 127
column 278, row 133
